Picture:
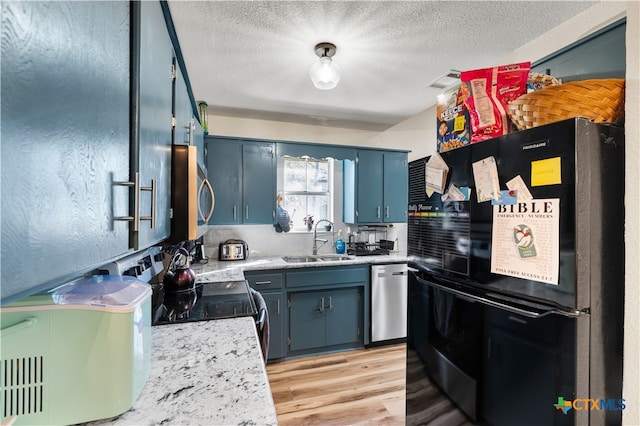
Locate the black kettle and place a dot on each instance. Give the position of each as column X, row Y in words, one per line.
column 179, row 276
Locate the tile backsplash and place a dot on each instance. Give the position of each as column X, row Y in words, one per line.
column 263, row 240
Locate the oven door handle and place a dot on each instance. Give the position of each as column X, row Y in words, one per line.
column 504, row 306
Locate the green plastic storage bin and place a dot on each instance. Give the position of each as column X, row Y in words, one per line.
column 78, row 353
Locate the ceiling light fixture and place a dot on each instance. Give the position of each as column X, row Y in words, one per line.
column 325, row 74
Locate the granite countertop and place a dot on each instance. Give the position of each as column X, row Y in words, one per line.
column 212, row 372
column 204, row 373
column 216, row 270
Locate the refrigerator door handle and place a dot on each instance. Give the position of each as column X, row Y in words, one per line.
column 504, row 306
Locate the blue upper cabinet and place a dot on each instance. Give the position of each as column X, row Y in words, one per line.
column 155, row 133
column 258, row 182
column 601, row 55
column 224, row 166
column 395, row 186
column 198, row 141
column 242, row 174
column 182, row 110
column 369, row 193
column 65, row 140
column 375, row 187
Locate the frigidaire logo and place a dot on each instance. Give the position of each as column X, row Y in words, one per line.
column 589, row 404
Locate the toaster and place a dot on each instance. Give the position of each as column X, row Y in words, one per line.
column 233, row 250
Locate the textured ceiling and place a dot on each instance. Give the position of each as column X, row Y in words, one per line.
column 252, row 58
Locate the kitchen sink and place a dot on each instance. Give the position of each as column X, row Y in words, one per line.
column 316, row 258
column 332, row 257
column 301, row 259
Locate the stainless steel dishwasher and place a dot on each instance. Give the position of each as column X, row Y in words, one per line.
column 388, row 302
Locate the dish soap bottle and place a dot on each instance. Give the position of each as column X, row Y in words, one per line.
column 340, row 246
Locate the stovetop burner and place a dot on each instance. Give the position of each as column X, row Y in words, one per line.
column 207, row 301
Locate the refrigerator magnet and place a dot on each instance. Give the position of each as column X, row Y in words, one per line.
column 522, row 192
column 508, row 197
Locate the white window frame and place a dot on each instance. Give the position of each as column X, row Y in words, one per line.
column 297, row 219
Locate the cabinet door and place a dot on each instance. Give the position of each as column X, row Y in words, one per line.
column 369, row 186
column 224, row 168
column 395, row 187
column 306, row 320
column 65, row 140
column 343, row 310
column 198, row 141
column 155, row 82
column 258, row 183
column 275, row 307
column 182, row 110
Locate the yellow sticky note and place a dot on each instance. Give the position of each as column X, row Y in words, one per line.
column 546, row 172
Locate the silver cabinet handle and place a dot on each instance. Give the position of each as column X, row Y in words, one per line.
column 246, row 211
column 22, row 325
column 378, row 212
column 152, row 189
column 386, row 211
column 136, row 218
column 136, row 201
column 234, row 213
column 263, row 282
column 277, row 306
column 330, row 304
column 320, row 309
column 206, row 217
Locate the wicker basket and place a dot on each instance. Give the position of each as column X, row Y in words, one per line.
column 598, row 100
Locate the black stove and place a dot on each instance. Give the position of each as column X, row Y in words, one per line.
column 207, row 301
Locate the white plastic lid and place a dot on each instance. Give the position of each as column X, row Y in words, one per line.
column 108, row 291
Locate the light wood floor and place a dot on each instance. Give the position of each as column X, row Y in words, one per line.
column 347, row 388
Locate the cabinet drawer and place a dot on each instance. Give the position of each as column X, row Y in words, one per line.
column 264, row 281
column 327, row 276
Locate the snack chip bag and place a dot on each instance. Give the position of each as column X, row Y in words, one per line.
column 486, row 93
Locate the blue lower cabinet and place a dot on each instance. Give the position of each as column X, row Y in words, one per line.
column 306, row 320
column 314, row 310
column 275, row 307
column 343, row 314
column 325, row 319
column 269, row 284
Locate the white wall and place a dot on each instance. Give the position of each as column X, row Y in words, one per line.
column 631, row 387
column 279, row 130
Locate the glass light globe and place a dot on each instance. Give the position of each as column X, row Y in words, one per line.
column 325, row 74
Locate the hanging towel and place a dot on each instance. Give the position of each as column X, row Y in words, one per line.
column 283, row 221
column 262, row 323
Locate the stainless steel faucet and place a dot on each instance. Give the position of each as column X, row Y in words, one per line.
column 315, row 233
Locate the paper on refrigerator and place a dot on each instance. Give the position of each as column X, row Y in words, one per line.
column 525, row 240
column 435, row 175
column 485, row 176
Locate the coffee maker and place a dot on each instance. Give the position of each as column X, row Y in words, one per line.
column 197, row 251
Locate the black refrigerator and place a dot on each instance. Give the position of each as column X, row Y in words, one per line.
column 516, row 283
